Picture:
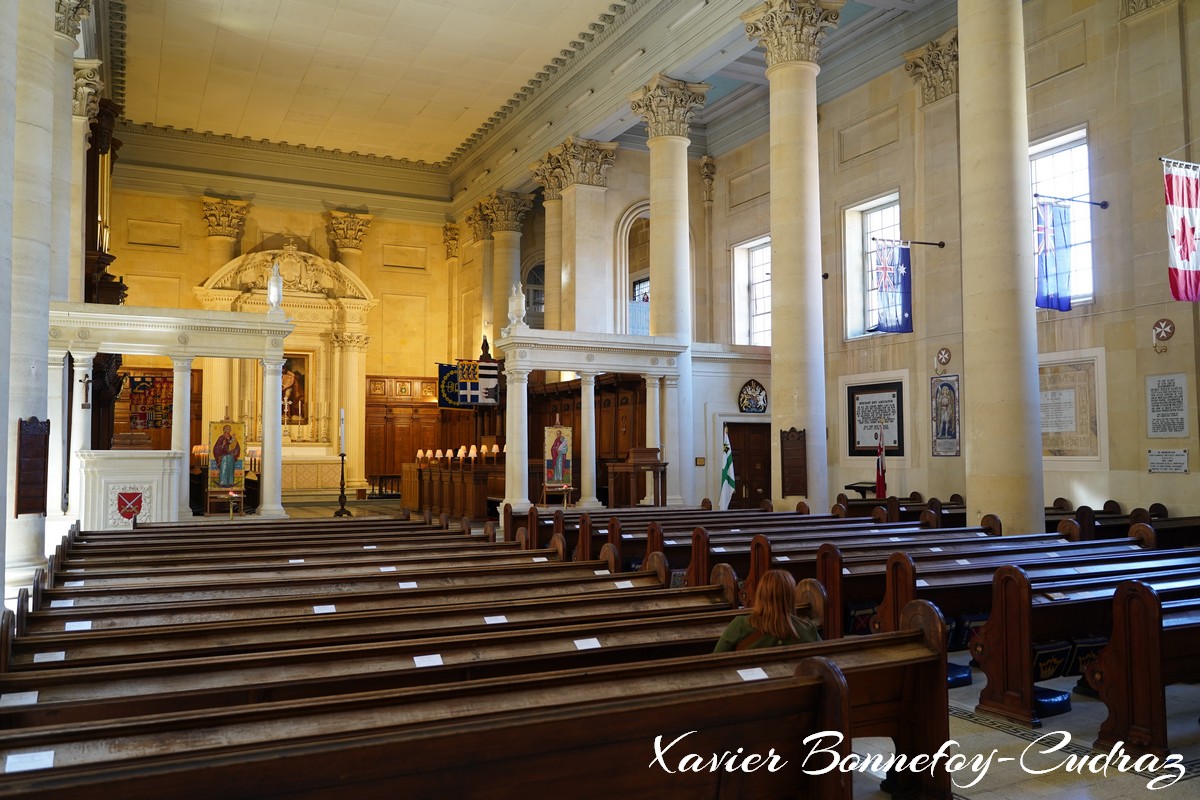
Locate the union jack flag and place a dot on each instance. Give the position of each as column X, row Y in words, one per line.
column 1053, row 257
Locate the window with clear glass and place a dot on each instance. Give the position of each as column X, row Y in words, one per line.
column 1060, row 177
column 752, row 292
column 865, row 226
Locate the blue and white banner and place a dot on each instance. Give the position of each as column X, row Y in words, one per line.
column 893, row 287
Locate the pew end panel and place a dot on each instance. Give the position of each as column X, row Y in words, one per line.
column 655, row 562
column 22, row 612
column 698, row 568
column 724, row 577
column 559, row 546
column 991, row 524
column 611, row 556
column 1158, row 511
column 810, row 596
column 1069, row 529
column 829, row 573
column 1009, row 691
column 802, row 507
column 8, row 631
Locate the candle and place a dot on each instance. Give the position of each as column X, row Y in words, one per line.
column 342, row 431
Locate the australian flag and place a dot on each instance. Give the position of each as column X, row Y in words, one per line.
column 893, row 287
column 1053, row 257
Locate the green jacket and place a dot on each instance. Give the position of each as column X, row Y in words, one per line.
column 739, row 628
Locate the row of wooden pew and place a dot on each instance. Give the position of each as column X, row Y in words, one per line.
column 385, row 658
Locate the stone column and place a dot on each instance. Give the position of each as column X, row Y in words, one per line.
column 1002, row 445
column 481, row 226
column 270, row 477
column 588, row 292
column 66, row 28
column 225, row 219
column 654, row 415
column 714, row 304
column 32, row 232
column 516, row 438
column 671, row 421
column 791, row 31
column 450, row 241
column 668, row 105
column 587, row 441
column 506, row 210
column 8, row 93
column 354, row 379
column 347, row 230
column 181, row 426
column 550, row 178
column 81, row 428
column 84, row 109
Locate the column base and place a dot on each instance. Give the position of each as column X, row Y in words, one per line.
column 518, row 506
column 589, row 502
column 267, row 512
column 20, row 576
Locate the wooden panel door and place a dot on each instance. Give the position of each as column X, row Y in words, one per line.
column 751, row 446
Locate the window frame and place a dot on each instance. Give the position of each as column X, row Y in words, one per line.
column 1080, row 210
column 859, row 268
column 742, row 288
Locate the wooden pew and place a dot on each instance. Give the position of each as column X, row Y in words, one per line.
column 1154, row 642
column 1170, row 533
column 427, row 741
column 1028, row 608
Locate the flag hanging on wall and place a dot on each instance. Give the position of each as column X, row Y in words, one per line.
column 1053, row 257
column 728, row 483
column 468, row 383
column 489, row 383
column 448, row 386
column 1183, row 216
column 880, row 469
column 893, row 285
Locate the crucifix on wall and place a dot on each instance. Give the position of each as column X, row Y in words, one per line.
column 86, row 380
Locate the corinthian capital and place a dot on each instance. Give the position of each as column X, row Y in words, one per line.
column 68, row 14
column 87, row 88
column 708, row 170
column 1131, row 7
column 225, row 217
column 668, row 105
column 507, row 209
column 548, row 175
column 450, row 239
column 792, row 30
column 480, row 222
column 585, row 161
column 348, row 340
column 934, row 67
column 347, row 229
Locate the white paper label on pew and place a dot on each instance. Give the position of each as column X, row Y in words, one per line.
column 718, row 549
column 753, row 674
column 499, row 619
column 845, row 570
column 434, row 660
column 964, row 561
column 669, row 541
column 407, row 584
column 602, row 572
column 295, row 560
column 387, row 569
column 601, row 530
column 21, row 762
column 1135, row 547
column 1055, row 555
column 894, row 538
column 624, row 584
column 922, row 582
column 42, row 658
column 735, row 530
column 324, row 609
column 981, row 534
column 935, row 549
column 626, row 535
column 18, row 698
column 783, row 558
column 79, row 625
column 73, row 584
column 587, row 644
column 540, row 558
column 370, row 547
column 61, row 603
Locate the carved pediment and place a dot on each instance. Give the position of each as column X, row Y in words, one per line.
column 303, row 273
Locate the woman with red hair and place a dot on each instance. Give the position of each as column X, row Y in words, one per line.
column 773, row 619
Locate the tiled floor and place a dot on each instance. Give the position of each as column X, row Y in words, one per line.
column 978, row 734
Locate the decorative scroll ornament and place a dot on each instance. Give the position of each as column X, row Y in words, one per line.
column 450, row 239
column 1131, row 7
column 934, row 67
column 347, row 229
column 225, row 217
column 68, row 14
column 668, row 105
column 87, row 88
column 792, row 30
column 300, row 272
column 507, row 210
column 708, row 170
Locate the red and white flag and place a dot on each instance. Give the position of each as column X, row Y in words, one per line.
column 1183, row 218
column 880, row 469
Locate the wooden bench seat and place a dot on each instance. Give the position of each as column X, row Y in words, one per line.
column 1154, row 643
column 427, row 741
column 1170, row 533
column 1029, row 607
column 178, row 638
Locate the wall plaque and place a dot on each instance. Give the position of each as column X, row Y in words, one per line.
column 793, row 462
column 1166, row 406
column 1167, row 461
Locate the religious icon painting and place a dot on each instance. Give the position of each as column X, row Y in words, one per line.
column 226, row 453
column 944, row 415
column 294, row 390
column 557, row 452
